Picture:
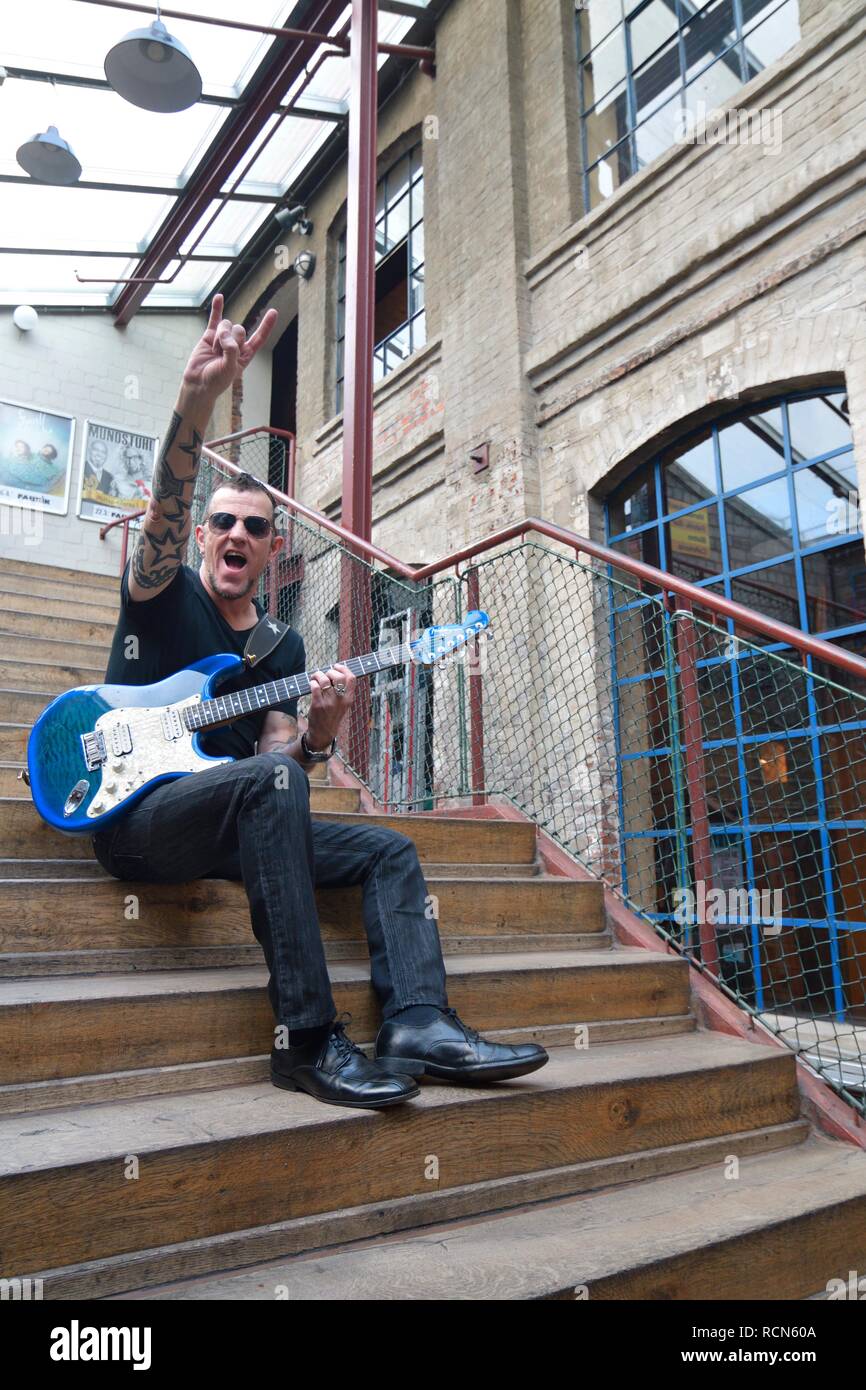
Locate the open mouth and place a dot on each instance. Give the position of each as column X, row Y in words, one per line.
column 234, row 560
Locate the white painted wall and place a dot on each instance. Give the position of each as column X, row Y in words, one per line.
column 81, row 365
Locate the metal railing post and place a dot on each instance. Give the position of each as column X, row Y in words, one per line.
column 693, row 741
column 476, row 708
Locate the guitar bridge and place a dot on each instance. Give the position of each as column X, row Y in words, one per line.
column 93, row 745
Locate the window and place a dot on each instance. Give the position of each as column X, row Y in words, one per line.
column 761, row 507
column 650, row 71
column 399, row 327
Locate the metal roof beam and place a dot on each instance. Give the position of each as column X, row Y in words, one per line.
column 405, row 8
column 262, row 99
column 115, row 255
column 169, row 190
column 323, row 110
column 69, row 79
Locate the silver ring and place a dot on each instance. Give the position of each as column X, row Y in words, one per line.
column 340, row 689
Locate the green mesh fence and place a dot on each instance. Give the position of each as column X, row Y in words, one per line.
column 717, row 787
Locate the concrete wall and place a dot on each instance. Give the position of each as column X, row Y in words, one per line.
column 81, row 365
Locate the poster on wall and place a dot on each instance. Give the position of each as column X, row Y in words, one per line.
column 35, row 457
column 117, row 472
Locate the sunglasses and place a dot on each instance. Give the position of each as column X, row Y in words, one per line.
column 257, row 526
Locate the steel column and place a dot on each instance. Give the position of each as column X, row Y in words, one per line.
column 357, row 503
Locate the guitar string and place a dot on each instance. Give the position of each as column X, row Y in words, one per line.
column 153, row 721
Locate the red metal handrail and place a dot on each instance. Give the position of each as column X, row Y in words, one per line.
column 581, row 545
column 124, row 522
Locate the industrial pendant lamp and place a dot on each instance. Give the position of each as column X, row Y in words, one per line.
column 150, row 68
column 49, row 159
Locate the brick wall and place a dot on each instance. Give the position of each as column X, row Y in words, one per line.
column 572, row 343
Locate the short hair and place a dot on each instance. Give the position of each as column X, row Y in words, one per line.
column 242, row 482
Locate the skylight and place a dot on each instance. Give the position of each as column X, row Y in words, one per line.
column 143, row 160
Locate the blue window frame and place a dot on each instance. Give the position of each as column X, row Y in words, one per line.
column 647, row 68
column 761, row 506
column 399, row 325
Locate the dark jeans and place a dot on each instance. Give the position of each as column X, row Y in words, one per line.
column 251, row 820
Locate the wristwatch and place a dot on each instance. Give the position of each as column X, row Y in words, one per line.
column 312, row 757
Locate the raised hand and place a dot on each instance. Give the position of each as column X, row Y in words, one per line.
column 224, row 351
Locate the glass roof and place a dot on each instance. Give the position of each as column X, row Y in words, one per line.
column 146, row 157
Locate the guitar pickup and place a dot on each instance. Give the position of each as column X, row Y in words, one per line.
column 121, row 740
column 172, row 724
column 93, row 745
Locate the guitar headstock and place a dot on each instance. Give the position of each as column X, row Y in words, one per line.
column 435, row 643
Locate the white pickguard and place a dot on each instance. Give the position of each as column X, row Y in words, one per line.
column 159, row 744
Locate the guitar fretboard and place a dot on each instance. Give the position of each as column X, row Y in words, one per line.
column 222, row 709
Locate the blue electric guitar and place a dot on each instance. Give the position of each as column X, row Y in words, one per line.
column 97, row 749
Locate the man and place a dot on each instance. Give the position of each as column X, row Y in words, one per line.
column 250, row 819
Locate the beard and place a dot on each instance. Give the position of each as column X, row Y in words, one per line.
column 228, row 593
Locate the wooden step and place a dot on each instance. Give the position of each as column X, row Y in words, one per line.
column 22, row 965
column 11, row 783
column 225, row 1161
column 102, row 1278
column 464, row 871
column 13, row 741
column 45, row 915
column 72, row 629
column 322, row 798
column 23, row 569
column 793, row 1220
column 446, row 839
column 238, row 1071
column 71, row 604
column 19, row 706
column 80, row 868
column 460, row 839
column 86, row 1025
column 57, row 676
column 40, row 869
column 52, row 651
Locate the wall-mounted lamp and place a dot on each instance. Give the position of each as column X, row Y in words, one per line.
column 304, row 264
column 294, row 220
column 49, row 159
column 25, row 318
column 152, row 69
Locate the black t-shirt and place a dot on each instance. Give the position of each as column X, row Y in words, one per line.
column 182, row 625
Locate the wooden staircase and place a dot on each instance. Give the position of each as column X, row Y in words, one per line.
column 144, row 1152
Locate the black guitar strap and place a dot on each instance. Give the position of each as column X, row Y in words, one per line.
column 264, row 638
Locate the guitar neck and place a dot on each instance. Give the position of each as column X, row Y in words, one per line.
column 224, row 709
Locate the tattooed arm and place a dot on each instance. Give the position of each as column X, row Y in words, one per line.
column 217, row 360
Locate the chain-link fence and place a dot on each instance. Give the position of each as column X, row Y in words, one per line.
column 715, row 785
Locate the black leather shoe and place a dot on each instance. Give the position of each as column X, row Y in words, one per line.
column 337, row 1071
column 449, row 1050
